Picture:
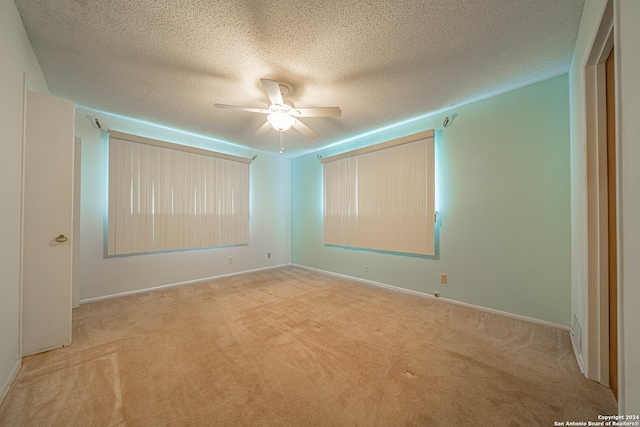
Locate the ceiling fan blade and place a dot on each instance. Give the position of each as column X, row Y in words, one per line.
column 305, row 130
column 273, row 91
column 264, row 128
column 236, row 107
column 317, row 112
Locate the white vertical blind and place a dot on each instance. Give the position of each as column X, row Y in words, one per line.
column 162, row 198
column 382, row 197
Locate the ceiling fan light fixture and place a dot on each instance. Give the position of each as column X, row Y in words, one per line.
column 282, row 113
column 281, row 121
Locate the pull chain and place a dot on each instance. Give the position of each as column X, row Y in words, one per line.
column 281, row 142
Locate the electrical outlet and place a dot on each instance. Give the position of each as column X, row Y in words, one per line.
column 443, row 278
column 230, row 260
column 268, row 254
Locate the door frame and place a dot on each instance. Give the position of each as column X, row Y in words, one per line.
column 23, row 144
column 597, row 199
column 77, row 186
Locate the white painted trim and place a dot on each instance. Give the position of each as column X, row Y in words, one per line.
column 171, row 285
column 12, row 376
column 596, row 328
column 75, row 251
column 507, row 314
column 330, row 273
column 450, row 301
column 25, row 88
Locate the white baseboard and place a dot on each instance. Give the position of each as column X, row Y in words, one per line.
column 12, row 376
column 331, row 273
column 450, row 301
column 171, row 285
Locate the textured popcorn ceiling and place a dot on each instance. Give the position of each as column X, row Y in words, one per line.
column 168, row 62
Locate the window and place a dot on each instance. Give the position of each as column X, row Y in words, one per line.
column 382, row 197
column 165, row 196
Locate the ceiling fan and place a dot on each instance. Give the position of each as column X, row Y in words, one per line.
column 282, row 113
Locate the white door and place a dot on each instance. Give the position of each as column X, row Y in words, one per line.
column 47, row 232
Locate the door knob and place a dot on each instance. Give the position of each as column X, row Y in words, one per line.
column 61, row 238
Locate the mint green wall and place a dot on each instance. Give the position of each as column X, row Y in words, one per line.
column 503, row 234
column 102, row 276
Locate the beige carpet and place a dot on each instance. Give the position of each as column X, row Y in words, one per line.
column 291, row 347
